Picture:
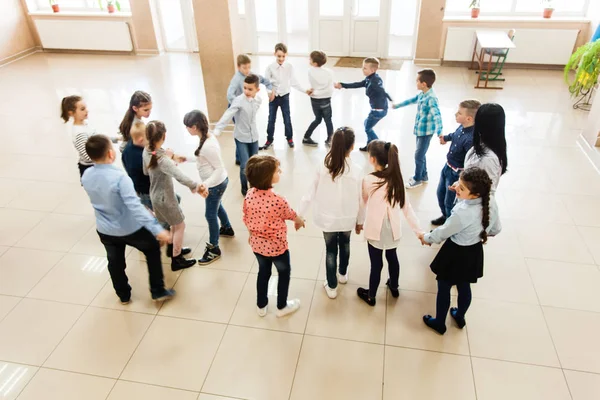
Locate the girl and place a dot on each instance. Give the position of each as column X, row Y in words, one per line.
column 73, row 107
column 161, row 168
column 460, row 260
column 338, row 205
column 265, row 213
column 383, row 191
column 140, row 106
column 214, row 177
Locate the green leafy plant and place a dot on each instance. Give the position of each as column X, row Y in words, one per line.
column 110, row 3
column 586, row 64
column 474, row 4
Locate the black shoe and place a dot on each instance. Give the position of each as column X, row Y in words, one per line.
column 212, row 254
column 167, row 294
column 184, row 251
column 433, row 324
column 226, row 231
column 266, row 146
column 395, row 292
column 328, row 142
column 237, row 162
column 439, row 221
column 307, row 141
column 125, row 300
column 363, row 148
column 244, row 192
column 291, row 143
column 180, row 262
column 460, row 321
column 364, row 295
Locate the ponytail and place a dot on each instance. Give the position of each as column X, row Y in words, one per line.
column 341, row 143
column 479, row 184
column 386, row 156
column 198, row 119
column 138, row 99
column 155, row 132
column 68, row 105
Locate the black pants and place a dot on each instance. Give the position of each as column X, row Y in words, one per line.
column 82, row 168
column 376, row 257
column 282, row 102
column 282, row 263
column 145, row 242
column 443, row 300
column 322, row 110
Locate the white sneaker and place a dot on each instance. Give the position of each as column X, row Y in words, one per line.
column 292, row 307
column 262, row 311
column 413, row 184
column 343, row 279
column 331, row 293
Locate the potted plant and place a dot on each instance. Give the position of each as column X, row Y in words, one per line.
column 548, row 8
column 474, row 8
column 586, row 64
column 54, row 6
column 110, row 5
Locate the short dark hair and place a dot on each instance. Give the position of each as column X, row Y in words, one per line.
column 97, row 147
column 282, row 47
column 427, row 76
column 243, row 59
column 318, row 57
column 374, row 62
column 260, row 170
column 252, row 79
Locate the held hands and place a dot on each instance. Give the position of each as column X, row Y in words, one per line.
column 299, row 223
column 164, row 237
column 452, row 187
column 421, row 237
column 442, row 140
column 358, row 229
column 202, row 191
column 337, row 85
column 272, row 96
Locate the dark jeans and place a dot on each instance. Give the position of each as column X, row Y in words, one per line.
column 237, row 158
column 145, row 242
column 443, row 300
column 82, row 168
column 284, row 103
column 282, row 263
column 333, row 242
column 244, row 152
column 214, row 212
column 322, row 110
column 376, row 257
column 372, row 119
column 420, row 160
column 445, row 196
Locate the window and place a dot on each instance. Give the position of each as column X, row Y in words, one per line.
column 241, row 7
column 75, row 5
column 518, row 7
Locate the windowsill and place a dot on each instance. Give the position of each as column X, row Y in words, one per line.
column 559, row 19
column 75, row 14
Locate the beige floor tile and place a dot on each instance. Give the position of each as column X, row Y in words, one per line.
column 22, row 269
column 245, row 311
column 415, row 273
column 3, row 249
column 499, row 380
column 583, row 209
column 114, row 334
column 507, row 242
column 591, row 237
column 575, row 337
column 137, row 391
column 319, row 357
column 14, row 224
column 75, row 279
column 566, row 285
column 77, row 202
column 34, row 328
column 10, row 189
column 204, row 396
column 60, row 385
column 90, row 244
column 511, row 332
column 7, row 303
column 583, row 385
column 206, row 294
column 425, row 375
column 13, row 378
column 44, row 196
column 57, row 232
column 347, row 317
column 236, row 252
column 405, row 327
column 262, row 361
column 536, row 207
column 181, row 361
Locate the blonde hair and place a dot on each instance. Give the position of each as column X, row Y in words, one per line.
column 138, row 130
column 373, row 62
column 471, row 106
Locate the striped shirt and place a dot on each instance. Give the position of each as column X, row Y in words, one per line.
column 429, row 119
column 80, row 134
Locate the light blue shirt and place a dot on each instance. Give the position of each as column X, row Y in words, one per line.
column 464, row 225
column 236, row 86
column 118, row 209
column 244, row 110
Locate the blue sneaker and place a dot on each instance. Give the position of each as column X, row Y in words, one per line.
column 167, row 294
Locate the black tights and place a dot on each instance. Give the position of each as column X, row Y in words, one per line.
column 443, row 300
column 376, row 256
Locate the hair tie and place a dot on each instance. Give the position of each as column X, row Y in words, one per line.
column 387, row 145
column 153, row 153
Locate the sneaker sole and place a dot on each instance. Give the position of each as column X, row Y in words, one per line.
column 311, row 144
column 209, row 262
column 163, row 298
column 226, row 236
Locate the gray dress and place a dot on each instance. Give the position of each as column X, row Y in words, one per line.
column 162, row 194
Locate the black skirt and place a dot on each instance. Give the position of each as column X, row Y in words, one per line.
column 456, row 264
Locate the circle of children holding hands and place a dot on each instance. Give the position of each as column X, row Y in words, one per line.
column 140, row 208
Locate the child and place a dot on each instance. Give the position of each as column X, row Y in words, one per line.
column 140, row 106
column 338, row 205
column 378, row 97
column 462, row 141
column 265, row 213
column 132, row 158
column 245, row 133
column 161, row 168
column 384, row 193
column 214, row 177
column 428, row 122
column 321, row 82
column 121, row 220
column 460, row 260
column 74, row 107
column 281, row 75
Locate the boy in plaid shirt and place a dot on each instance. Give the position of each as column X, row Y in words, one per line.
column 427, row 123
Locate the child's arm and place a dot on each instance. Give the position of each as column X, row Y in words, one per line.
column 436, row 117
column 495, row 226
column 354, row 85
column 411, row 217
column 231, row 89
column 406, row 102
column 80, row 141
column 365, row 190
column 266, row 82
column 167, row 166
column 360, row 218
column 213, row 156
column 452, row 226
column 287, row 213
column 227, row 116
column 294, row 81
column 132, row 202
column 309, row 195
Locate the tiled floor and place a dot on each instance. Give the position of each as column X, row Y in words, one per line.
column 532, row 330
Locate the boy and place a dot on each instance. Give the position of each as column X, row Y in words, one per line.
column 462, row 141
column 281, row 75
column 121, row 220
column 321, row 83
column 244, row 108
column 428, row 122
column 378, row 97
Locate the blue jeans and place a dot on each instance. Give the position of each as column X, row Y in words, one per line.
column 443, row 300
column 245, row 151
column 445, row 196
column 333, row 242
column 214, row 212
column 237, row 158
column 372, row 119
column 282, row 263
column 420, row 160
column 284, row 103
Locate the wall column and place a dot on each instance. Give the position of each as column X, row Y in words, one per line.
column 430, row 31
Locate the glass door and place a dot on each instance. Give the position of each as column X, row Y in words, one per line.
column 365, row 26
column 333, row 27
column 403, row 28
column 176, row 20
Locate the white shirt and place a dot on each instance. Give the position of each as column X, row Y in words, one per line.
column 337, row 205
column 210, row 164
column 282, row 77
column 79, row 135
column 321, row 81
column 489, row 162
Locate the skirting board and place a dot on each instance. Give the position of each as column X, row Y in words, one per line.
column 95, row 52
column 19, row 55
column 436, row 62
column 147, row 52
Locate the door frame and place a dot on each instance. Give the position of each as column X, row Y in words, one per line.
column 189, row 27
column 386, row 52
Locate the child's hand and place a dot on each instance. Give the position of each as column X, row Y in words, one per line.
column 272, row 96
column 358, row 229
column 170, row 153
column 421, row 237
column 442, row 140
column 310, row 92
column 164, row 237
column 395, row 106
column 179, row 159
column 203, row 191
column 337, row 85
column 299, row 223
column 452, row 187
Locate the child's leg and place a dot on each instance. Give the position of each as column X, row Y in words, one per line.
column 420, row 160
column 376, row 256
column 327, row 113
column 442, row 302
column 115, row 253
column 177, row 231
column 287, row 118
column 243, row 153
column 282, row 263
column 273, row 106
column 213, row 201
column 372, row 119
column 331, row 252
column 441, row 191
column 316, row 107
column 145, row 242
column 344, row 244
column 221, row 213
column 464, row 298
column 262, row 281
column 393, row 267
column 451, row 177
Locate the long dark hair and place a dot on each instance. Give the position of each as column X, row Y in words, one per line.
column 138, row 99
column 155, row 132
column 490, row 122
column 341, row 143
column 479, row 184
column 386, row 156
column 198, row 119
column 67, row 105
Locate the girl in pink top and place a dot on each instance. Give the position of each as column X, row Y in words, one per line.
column 384, row 194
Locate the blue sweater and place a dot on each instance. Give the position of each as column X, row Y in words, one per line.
column 378, row 97
column 133, row 163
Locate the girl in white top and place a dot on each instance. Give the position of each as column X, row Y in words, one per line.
column 337, row 205
column 213, row 176
column 74, row 112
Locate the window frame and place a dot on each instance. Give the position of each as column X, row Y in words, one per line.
column 87, row 6
column 520, row 14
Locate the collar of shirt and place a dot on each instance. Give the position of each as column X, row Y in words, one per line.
column 106, row 167
column 472, row 201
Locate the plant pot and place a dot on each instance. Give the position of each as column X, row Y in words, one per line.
column 474, row 12
column 548, row 12
column 111, row 8
column 55, row 8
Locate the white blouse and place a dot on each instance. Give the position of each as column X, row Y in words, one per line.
column 489, row 162
column 210, row 164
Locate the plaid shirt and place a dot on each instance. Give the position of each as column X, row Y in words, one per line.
column 429, row 118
